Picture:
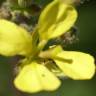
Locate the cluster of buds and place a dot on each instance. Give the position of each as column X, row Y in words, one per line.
column 20, row 12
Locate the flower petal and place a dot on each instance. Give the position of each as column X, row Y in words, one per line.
column 27, row 80
column 14, row 39
column 36, row 77
column 47, row 78
column 56, row 19
column 81, row 67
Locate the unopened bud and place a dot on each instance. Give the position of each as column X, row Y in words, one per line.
column 25, row 3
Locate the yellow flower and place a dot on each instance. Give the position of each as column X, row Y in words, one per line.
column 38, row 71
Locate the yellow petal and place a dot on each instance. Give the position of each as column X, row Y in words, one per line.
column 14, row 39
column 27, row 80
column 36, row 77
column 47, row 78
column 81, row 67
column 56, row 19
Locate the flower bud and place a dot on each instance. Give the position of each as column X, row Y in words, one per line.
column 25, row 3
